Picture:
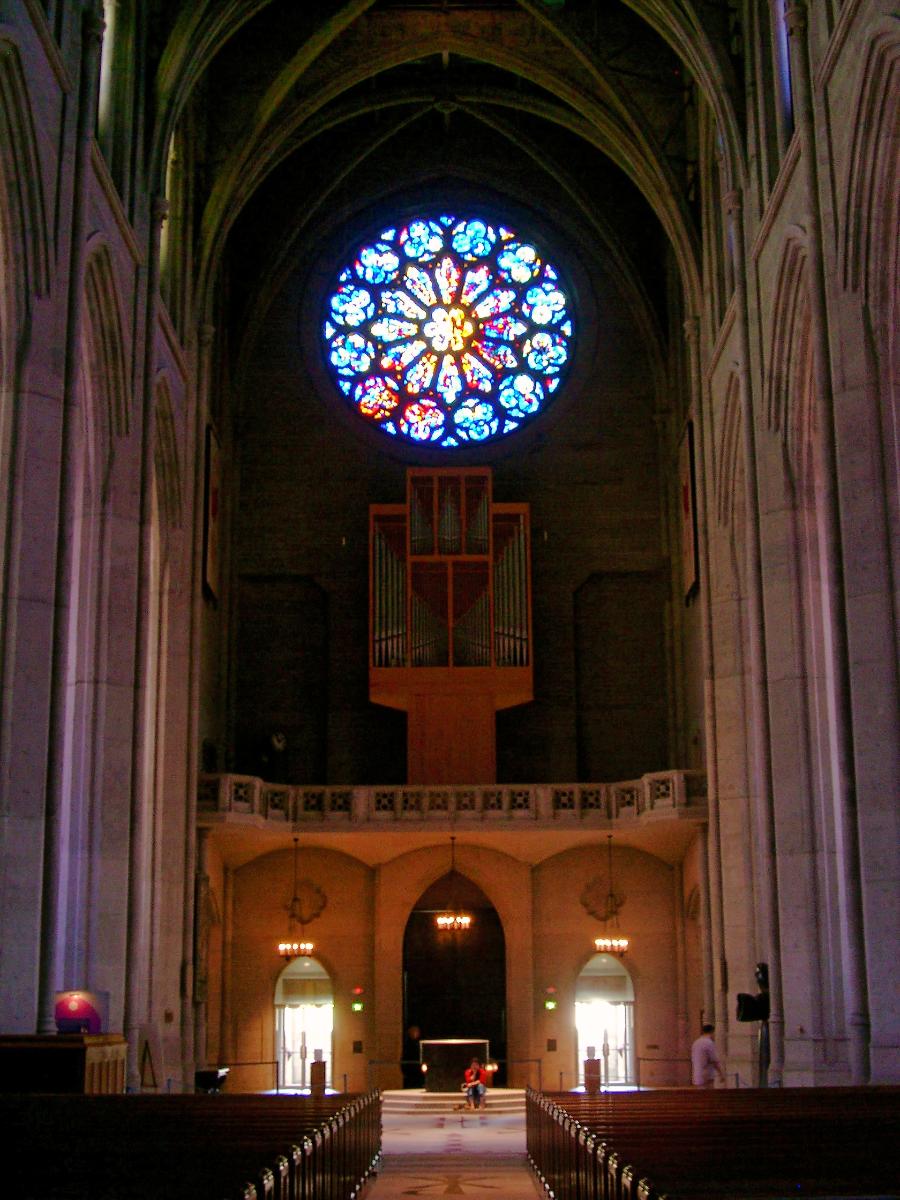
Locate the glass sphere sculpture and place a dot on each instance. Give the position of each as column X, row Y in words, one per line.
column 448, row 331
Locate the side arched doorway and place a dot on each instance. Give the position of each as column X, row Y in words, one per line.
column 304, row 1022
column 454, row 984
column 604, row 1020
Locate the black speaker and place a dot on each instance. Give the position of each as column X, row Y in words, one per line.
column 753, row 1008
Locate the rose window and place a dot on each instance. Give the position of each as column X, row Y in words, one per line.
column 448, row 331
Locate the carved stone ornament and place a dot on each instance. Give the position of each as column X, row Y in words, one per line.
column 598, row 901
column 308, row 902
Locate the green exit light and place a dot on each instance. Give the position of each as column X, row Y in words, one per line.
column 357, row 1005
column 551, row 1004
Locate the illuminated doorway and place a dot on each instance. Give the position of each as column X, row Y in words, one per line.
column 454, row 984
column 304, row 1022
column 604, row 1020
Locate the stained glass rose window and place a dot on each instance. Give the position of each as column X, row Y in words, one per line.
column 448, row 331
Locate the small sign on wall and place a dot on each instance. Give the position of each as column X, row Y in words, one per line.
column 688, row 497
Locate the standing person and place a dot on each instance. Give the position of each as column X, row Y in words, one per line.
column 476, row 1084
column 705, row 1064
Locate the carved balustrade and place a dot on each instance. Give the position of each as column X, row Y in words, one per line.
column 674, row 794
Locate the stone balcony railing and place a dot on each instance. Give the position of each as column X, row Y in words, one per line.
column 663, row 793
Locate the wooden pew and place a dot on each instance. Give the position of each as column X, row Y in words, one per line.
column 640, row 1146
column 145, row 1147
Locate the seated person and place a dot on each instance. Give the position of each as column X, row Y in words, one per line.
column 476, row 1084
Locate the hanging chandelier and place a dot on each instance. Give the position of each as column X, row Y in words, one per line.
column 611, row 941
column 451, row 920
column 295, row 947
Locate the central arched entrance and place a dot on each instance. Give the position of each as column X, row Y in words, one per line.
column 604, row 1019
column 304, row 1022
column 454, row 984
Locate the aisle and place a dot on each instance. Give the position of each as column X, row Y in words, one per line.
column 454, row 1154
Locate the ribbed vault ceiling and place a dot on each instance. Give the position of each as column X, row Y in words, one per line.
column 309, row 114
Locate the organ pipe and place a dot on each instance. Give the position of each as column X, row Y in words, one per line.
column 451, row 527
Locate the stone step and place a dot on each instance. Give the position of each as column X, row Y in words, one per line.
column 411, row 1101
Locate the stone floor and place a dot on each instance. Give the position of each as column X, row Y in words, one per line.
column 454, row 1154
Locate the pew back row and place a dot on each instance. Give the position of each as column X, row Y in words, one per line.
column 190, row 1147
column 698, row 1144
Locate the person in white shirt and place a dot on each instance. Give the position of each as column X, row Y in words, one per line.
column 705, row 1063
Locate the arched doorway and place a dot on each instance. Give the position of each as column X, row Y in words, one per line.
column 454, row 984
column 304, row 1022
column 604, row 1019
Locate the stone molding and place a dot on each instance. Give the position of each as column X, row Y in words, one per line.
column 674, row 793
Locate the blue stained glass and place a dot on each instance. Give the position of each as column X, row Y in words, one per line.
column 519, row 262
column 422, row 421
column 402, row 304
column 352, row 354
column 448, row 330
column 377, row 397
column 449, row 383
column 401, row 355
column 422, row 240
column 507, row 328
column 476, row 420
column 496, row 302
column 421, row 286
column 421, row 374
column 495, row 354
column 474, row 284
column 389, row 329
column 544, row 304
column 351, row 305
column 377, row 264
column 473, row 239
column 521, row 395
column 545, row 352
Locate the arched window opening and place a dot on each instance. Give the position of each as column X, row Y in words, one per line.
column 304, row 1023
column 604, row 1021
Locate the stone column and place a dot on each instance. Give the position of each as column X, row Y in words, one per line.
column 768, row 929
column 54, row 904
column 716, row 1000
column 828, row 516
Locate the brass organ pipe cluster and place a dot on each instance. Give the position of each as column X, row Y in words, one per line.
column 389, row 632
column 510, row 602
column 472, row 635
column 429, row 635
column 477, row 531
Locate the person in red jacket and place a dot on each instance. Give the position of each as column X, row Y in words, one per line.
column 476, row 1084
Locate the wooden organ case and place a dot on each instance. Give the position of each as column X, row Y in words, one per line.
column 450, row 619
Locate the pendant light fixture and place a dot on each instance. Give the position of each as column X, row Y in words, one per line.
column 451, row 920
column 295, row 947
column 611, row 940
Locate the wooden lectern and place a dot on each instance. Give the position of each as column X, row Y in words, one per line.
column 450, row 619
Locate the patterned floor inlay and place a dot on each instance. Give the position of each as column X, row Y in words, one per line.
column 397, row 1179
column 465, row 1154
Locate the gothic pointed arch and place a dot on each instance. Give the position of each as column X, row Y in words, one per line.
column 728, row 453
column 790, row 347
column 109, row 398
column 870, row 200
column 165, row 454
column 22, row 193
